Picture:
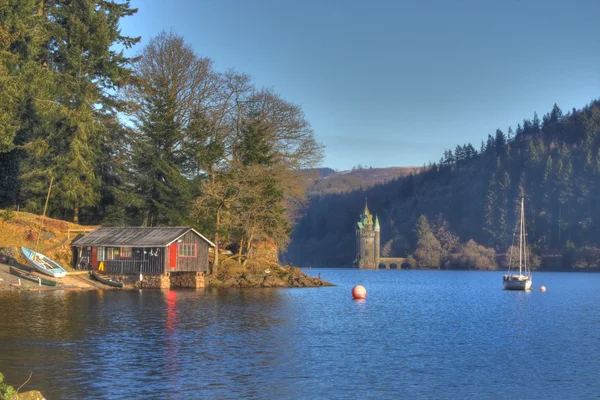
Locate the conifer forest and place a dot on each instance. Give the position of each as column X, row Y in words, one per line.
column 155, row 135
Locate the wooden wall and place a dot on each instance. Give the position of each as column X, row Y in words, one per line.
column 150, row 260
column 198, row 263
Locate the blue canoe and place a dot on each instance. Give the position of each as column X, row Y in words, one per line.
column 43, row 264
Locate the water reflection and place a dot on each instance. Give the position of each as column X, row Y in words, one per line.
column 426, row 333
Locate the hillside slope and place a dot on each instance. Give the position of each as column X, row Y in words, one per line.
column 23, row 229
column 327, row 181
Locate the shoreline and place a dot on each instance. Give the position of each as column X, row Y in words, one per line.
column 575, row 269
column 74, row 281
column 81, row 281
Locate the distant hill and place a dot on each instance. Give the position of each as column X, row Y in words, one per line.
column 328, row 181
column 474, row 194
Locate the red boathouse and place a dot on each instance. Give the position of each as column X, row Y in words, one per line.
column 146, row 251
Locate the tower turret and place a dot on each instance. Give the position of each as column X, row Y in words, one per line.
column 367, row 240
column 366, row 217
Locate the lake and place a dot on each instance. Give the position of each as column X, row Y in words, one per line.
column 419, row 334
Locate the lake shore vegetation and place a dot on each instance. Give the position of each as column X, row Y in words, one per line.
column 157, row 139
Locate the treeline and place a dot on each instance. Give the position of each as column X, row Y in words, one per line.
column 357, row 178
column 553, row 162
column 157, row 139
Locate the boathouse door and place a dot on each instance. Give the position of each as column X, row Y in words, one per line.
column 94, row 257
column 173, row 255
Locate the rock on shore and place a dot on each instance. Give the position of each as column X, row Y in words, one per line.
column 264, row 276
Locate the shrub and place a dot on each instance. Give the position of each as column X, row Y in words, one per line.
column 6, row 391
column 429, row 251
column 8, row 214
column 587, row 257
column 410, row 260
column 474, row 256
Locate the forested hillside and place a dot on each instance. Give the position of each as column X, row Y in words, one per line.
column 327, row 181
column 469, row 200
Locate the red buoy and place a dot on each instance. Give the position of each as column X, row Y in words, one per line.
column 359, row 292
column 542, row 289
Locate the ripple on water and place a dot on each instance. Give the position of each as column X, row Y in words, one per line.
column 432, row 334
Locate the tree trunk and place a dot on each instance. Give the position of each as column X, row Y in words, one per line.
column 216, row 260
column 217, row 227
column 76, row 215
column 240, row 251
column 249, row 244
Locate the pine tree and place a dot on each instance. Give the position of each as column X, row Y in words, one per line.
column 490, row 145
column 459, row 154
column 25, row 89
column 158, row 167
column 519, row 131
column 470, row 151
column 255, row 145
column 556, row 114
column 565, row 194
column 171, row 127
column 500, row 142
column 510, row 136
column 503, row 210
column 535, row 124
column 82, row 71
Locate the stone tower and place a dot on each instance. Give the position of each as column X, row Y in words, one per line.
column 367, row 241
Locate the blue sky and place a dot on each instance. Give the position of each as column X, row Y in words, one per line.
column 395, row 83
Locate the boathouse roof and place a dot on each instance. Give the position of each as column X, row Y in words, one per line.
column 135, row 237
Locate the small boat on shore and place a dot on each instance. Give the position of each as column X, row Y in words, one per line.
column 106, row 280
column 43, row 264
column 31, row 277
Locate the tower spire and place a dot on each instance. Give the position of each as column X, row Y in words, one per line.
column 367, row 218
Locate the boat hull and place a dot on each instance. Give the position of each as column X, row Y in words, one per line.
column 516, row 282
column 106, row 281
column 30, row 277
column 43, row 264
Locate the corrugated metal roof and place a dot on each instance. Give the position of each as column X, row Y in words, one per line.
column 134, row 237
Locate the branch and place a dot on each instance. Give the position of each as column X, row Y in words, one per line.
column 24, row 383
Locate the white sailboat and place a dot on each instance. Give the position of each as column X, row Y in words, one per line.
column 522, row 280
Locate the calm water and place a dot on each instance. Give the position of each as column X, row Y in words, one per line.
column 419, row 334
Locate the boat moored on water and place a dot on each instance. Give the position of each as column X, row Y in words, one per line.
column 517, row 282
column 522, row 280
column 43, row 264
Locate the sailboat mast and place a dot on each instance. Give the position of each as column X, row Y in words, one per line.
column 521, row 239
column 524, row 239
column 44, row 214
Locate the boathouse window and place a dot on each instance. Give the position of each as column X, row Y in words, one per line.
column 100, row 253
column 187, row 250
column 125, row 252
column 111, row 253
